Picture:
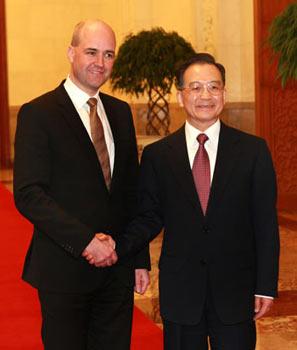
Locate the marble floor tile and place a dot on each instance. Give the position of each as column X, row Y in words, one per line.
column 277, row 333
column 288, row 259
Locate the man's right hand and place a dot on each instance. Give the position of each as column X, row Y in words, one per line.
column 100, row 251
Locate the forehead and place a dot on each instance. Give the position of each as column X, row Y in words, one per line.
column 97, row 37
column 206, row 72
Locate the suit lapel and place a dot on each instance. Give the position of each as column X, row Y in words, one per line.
column 72, row 118
column 179, row 163
column 227, row 155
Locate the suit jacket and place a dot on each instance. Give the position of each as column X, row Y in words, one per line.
column 232, row 252
column 59, row 186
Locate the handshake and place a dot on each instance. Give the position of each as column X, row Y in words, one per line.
column 101, row 251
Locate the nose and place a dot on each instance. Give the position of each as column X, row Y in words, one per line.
column 205, row 93
column 100, row 59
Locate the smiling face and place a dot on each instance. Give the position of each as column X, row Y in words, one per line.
column 202, row 95
column 93, row 57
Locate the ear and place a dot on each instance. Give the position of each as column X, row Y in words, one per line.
column 70, row 54
column 179, row 98
column 224, row 96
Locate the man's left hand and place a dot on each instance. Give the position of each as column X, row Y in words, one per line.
column 262, row 306
column 142, row 280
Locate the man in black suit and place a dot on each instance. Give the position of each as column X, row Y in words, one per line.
column 70, row 194
column 213, row 190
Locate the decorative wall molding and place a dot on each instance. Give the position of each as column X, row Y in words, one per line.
column 284, row 130
column 209, row 25
column 206, row 25
column 276, row 108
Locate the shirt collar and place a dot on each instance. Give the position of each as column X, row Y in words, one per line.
column 78, row 96
column 212, row 132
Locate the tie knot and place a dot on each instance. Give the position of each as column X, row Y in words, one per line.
column 92, row 102
column 202, row 138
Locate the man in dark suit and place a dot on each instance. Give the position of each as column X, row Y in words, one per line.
column 213, row 190
column 72, row 182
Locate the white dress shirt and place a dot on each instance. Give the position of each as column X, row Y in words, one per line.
column 211, row 146
column 79, row 98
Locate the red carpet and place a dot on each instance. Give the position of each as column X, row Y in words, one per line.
column 19, row 308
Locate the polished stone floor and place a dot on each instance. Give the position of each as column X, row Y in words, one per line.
column 277, row 331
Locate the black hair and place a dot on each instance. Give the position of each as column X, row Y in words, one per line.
column 200, row 58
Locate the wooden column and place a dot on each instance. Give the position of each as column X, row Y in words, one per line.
column 276, row 108
column 5, row 160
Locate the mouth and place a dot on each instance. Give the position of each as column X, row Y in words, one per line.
column 205, row 106
column 96, row 71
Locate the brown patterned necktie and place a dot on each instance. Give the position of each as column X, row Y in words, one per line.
column 98, row 139
column 201, row 172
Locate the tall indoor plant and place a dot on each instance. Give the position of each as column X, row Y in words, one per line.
column 146, row 63
column 283, row 41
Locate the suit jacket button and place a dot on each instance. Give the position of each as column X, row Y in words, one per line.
column 203, row 262
column 205, row 229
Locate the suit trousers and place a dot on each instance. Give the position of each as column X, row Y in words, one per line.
column 100, row 319
column 210, row 331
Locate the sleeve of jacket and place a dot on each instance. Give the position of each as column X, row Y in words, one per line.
column 142, row 257
column 265, row 223
column 148, row 221
column 32, row 175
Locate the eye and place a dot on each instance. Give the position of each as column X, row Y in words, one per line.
column 109, row 55
column 91, row 52
column 213, row 87
column 195, row 87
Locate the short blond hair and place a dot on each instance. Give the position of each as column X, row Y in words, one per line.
column 76, row 33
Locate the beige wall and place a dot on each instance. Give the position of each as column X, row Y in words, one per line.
column 38, row 32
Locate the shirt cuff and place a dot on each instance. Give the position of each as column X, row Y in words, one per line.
column 264, row 296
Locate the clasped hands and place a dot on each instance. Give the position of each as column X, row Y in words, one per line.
column 101, row 251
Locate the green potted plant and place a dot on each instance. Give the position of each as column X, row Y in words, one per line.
column 283, row 41
column 146, row 63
